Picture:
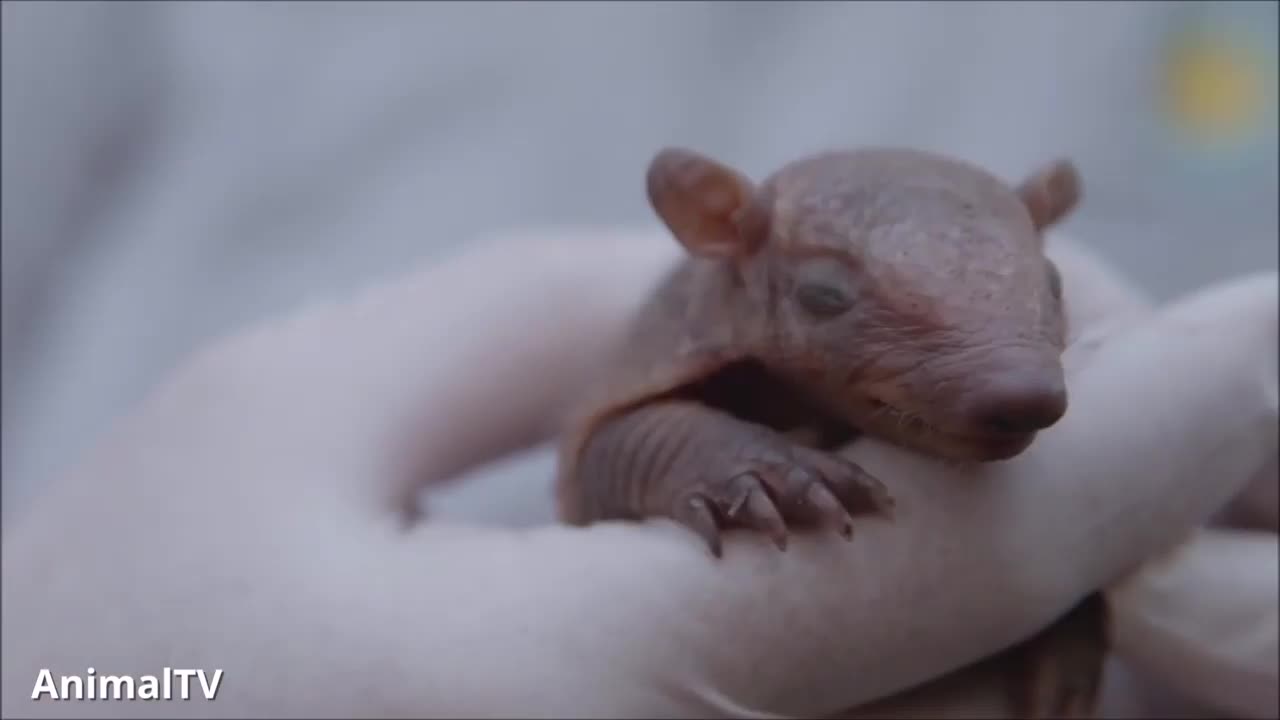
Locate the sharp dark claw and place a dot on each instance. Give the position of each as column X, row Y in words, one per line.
column 695, row 513
column 760, row 514
column 858, row 490
column 752, row 508
column 846, row 531
column 828, row 508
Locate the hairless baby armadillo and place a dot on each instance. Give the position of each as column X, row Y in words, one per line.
column 892, row 292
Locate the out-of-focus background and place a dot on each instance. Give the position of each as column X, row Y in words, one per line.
column 172, row 171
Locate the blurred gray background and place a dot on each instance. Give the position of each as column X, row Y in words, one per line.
column 172, row 171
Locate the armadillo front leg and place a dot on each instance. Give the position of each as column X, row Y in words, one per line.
column 711, row 471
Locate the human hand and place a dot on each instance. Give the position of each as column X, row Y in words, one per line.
column 1197, row 627
column 249, row 517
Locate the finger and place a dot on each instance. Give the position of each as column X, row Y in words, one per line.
column 1203, row 619
column 1144, row 456
column 452, row 365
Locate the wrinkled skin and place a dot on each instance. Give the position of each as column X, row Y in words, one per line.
column 909, row 295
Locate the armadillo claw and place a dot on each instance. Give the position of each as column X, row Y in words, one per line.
column 695, row 513
column 858, row 490
column 755, row 511
column 767, row 495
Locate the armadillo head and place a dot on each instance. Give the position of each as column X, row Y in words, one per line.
column 906, row 293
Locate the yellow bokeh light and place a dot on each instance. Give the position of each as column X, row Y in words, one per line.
column 1215, row 89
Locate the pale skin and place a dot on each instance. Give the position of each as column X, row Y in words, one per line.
column 892, row 293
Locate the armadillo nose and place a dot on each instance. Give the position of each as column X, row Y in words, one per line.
column 1022, row 401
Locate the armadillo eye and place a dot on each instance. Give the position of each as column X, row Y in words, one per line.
column 822, row 301
column 823, row 287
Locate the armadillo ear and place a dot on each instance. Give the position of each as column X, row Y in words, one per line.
column 1051, row 193
column 705, row 204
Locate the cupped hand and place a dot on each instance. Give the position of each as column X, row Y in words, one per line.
column 252, row 515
